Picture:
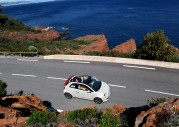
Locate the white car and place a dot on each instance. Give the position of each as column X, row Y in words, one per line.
column 86, row 87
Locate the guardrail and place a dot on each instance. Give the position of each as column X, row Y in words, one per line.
column 19, row 53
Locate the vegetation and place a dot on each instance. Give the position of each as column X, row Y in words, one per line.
column 167, row 118
column 32, row 45
column 43, row 47
column 95, row 118
column 110, row 54
column 86, row 117
column 3, row 86
column 108, row 120
column 7, row 23
column 155, row 101
column 42, row 118
column 156, row 47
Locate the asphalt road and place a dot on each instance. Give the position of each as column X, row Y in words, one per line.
column 130, row 85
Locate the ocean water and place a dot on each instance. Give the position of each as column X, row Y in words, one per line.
column 119, row 20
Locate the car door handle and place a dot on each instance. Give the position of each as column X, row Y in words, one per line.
column 89, row 92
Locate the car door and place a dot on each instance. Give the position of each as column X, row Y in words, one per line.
column 86, row 93
column 74, row 91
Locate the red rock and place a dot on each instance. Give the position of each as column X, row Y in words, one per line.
column 126, row 47
column 98, row 43
column 10, row 113
column 146, row 119
column 44, row 34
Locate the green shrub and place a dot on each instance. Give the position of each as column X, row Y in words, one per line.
column 32, row 48
column 108, row 120
column 3, row 86
column 86, row 117
column 110, row 54
column 82, row 114
column 156, row 47
column 167, row 119
column 42, row 118
column 155, row 101
column 70, row 53
column 7, row 23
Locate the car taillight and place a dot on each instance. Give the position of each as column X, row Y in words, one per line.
column 67, row 81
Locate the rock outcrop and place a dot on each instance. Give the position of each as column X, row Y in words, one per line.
column 126, row 47
column 14, row 110
column 97, row 43
column 45, row 34
column 147, row 118
column 42, row 33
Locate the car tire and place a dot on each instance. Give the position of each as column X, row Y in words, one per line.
column 98, row 100
column 68, row 95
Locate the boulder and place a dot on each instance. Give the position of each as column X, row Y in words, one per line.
column 147, row 118
column 14, row 110
column 126, row 47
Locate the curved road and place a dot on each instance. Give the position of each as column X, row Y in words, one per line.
column 131, row 86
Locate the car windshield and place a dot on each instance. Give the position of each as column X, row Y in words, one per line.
column 95, row 84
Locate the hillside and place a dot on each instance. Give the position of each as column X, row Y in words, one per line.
column 29, row 110
column 17, row 37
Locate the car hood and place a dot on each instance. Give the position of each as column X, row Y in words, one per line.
column 105, row 89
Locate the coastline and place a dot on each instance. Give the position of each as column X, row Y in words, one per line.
column 129, row 22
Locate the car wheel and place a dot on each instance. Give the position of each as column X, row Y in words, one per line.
column 68, row 96
column 98, row 100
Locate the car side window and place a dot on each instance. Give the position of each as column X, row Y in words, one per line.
column 74, row 85
column 84, row 88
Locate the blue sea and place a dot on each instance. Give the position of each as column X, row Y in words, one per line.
column 118, row 20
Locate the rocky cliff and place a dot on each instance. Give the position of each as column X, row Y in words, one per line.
column 147, row 118
column 42, row 33
column 126, row 47
column 14, row 110
column 97, row 43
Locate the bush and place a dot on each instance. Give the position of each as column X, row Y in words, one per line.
column 32, row 48
column 7, row 23
column 167, row 119
column 110, row 54
column 42, row 118
column 153, row 102
column 87, row 117
column 3, row 86
column 156, row 47
column 108, row 120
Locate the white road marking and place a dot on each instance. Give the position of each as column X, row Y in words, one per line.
column 152, row 91
column 0, row 73
column 56, row 78
column 24, row 75
column 117, row 86
column 77, row 62
column 26, row 60
column 139, row 67
column 59, row 110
